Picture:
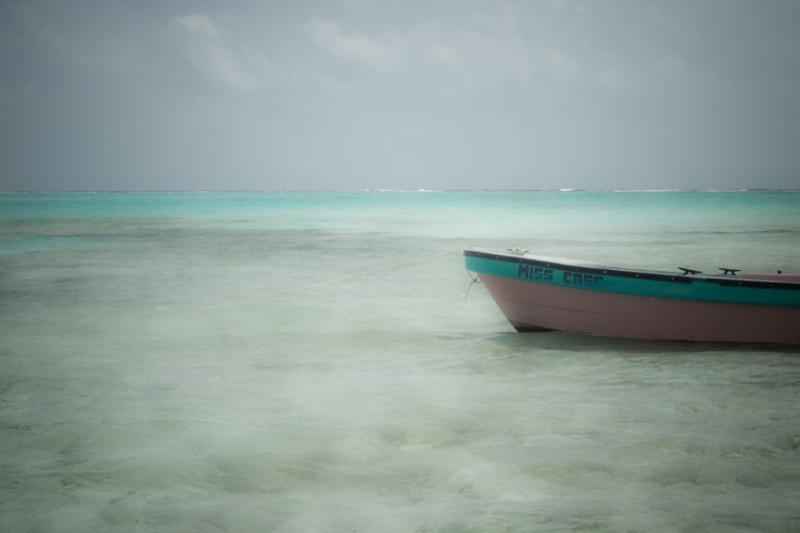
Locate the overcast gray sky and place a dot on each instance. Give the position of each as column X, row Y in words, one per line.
column 353, row 94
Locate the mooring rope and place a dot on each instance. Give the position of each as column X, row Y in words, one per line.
column 473, row 280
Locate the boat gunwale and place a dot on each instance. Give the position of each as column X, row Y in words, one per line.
column 653, row 275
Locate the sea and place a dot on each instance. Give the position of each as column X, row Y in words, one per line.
column 322, row 362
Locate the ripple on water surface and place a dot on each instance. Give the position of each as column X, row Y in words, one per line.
column 196, row 372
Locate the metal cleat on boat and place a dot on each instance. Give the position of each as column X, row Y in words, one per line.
column 516, row 251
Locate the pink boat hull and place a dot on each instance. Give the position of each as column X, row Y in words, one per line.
column 536, row 306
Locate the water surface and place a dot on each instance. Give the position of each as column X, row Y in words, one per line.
column 308, row 362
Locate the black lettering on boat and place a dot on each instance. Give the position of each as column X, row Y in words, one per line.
column 579, row 278
column 525, row 271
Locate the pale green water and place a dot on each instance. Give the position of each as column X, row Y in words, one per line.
column 307, row 362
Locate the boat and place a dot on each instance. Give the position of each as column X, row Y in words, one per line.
column 540, row 293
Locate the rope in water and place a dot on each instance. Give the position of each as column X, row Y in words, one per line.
column 473, row 280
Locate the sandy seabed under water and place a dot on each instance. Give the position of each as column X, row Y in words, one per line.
column 250, row 365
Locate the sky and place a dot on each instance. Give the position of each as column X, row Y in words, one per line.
column 405, row 94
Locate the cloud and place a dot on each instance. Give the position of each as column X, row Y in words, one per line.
column 443, row 54
column 215, row 58
column 474, row 53
column 201, row 24
column 356, row 47
column 559, row 61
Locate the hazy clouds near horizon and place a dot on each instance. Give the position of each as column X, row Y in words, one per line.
column 356, row 94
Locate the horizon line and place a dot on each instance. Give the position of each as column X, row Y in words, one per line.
column 393, row 190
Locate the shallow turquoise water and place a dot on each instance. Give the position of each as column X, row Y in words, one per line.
column 308, row 362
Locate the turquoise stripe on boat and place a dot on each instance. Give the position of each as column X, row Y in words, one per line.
column 680, row 289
